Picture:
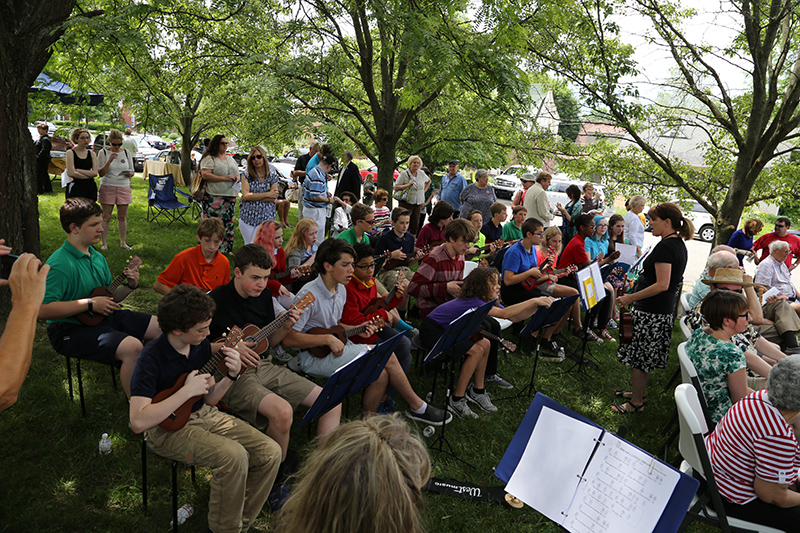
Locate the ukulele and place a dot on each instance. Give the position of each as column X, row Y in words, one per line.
column 391, row 264
column 90, row 318
column 499, row 244
column 342, row 334
column 302, row 269
column 383, row 303
column 260, row 336
column 559, row 273
column 180, row 416
column 625, row 326
column 507, row 344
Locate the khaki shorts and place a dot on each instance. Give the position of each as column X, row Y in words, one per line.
column 244, row 396
column 389, row 277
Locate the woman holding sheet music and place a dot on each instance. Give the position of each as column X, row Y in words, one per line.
column 653, row 302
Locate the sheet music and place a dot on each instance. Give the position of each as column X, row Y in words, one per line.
column 627, row 253
column 590, row 284
column 558, row 449
column 623, row 490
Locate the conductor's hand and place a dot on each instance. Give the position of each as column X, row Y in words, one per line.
column 232, row 360
column 247, row 355
column 197, row 384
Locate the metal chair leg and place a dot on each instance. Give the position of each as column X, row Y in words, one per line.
column 175, row 496
column 144, row 475
column 69, row 378
column 113, row 377
column 80, row 386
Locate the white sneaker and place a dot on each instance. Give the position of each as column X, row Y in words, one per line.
column 460, row 408
column 280, row 354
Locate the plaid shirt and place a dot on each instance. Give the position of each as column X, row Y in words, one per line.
column 429, row 283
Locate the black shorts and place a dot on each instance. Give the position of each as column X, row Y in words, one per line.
column 98, row 343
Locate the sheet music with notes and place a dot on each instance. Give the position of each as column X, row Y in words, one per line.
column 589, row 480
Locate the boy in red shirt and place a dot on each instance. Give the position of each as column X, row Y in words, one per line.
column 202, row 266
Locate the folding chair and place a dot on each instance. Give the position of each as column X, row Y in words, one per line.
column 80, row 381
column 707, row 504
column 161, row 200
column 685, row 307
column 145, row 448
column 686, row 329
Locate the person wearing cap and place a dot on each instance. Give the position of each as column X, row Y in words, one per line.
column 772, row 272
column 478, row 196
column 750, row 341
column 452, row 185
column 536, row 199
column 527, row 180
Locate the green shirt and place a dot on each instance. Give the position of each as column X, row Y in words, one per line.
column 714, row 360
column 511, row 232
column 480, row 243
column 349, row 236
column 73, row 275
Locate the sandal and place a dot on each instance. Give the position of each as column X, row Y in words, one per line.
column 627, row 395
column 622, row 410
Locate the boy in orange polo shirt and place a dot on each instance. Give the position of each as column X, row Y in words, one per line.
column 202, row 266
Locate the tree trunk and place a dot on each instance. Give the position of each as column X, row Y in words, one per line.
column 186, row 149
column 386, row 159
column 27, row 30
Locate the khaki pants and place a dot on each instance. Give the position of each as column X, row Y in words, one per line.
column 243, row 461
column 783, row 315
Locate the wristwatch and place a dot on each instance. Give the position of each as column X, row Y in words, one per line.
column 232, row 378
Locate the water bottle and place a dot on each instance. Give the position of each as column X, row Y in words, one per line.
column 429, row 431
column 184, row 512
column 105, row 444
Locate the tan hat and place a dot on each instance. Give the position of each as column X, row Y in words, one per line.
column 734, row 276
column 527, row 177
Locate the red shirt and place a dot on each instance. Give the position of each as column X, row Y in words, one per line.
column 764, row 241
column 429, row 284
column 359, row 296
column 191, row 268
column 574, row 253
column 429, row 232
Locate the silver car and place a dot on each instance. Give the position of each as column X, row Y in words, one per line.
column 508, row 183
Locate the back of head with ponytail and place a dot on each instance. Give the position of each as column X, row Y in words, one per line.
column 669, row 211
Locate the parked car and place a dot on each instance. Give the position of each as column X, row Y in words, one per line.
column 59, row 144
column 508, row 183
column 145, row 152
column 155, row 141
column 100, row 141
column 557, row 192
column 372, row 174
column 292, row 155
column 286, row 183
column 701, row 220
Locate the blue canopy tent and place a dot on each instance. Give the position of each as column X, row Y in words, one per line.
column 66, row 94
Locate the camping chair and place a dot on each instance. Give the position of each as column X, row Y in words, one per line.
column 707, row 504
column 161, row 200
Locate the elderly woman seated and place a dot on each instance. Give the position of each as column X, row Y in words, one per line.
column 720, row 364
column 784, row 308
column 755, row 455
column 721, row 257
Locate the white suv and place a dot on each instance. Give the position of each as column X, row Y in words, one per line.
column 557, row 193
column 508, row 183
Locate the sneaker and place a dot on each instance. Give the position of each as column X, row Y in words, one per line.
column 603, row 333
column 280, row 354
column 460, row 408
column 562, row 340
column 386, row 406
column 495, row 379
column 483, row 400
column 551, row 351
column 432, row 415
column 413, row 335
column 612, row 324
column 587, row 335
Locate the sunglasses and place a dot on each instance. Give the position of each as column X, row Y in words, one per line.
column 370, row 222
column 256, row 156
column 116, row 144
column 780, row 226
column 224, row 142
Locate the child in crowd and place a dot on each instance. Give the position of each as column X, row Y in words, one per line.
column 493, row 228
column 301, row 248
column 243, row 461
column 266, row 395
column 481, row 286
column 433, row 231
column 382, row 214
column 475, row 253
column 341, row 214
column 401, row 244
column 335, row 259
column 203, row 265
column 76, row 269
column 363, row 222
column 512, row 230
column 597, row 246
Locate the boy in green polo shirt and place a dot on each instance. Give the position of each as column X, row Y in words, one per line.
column 363, row 219
column 76, row 269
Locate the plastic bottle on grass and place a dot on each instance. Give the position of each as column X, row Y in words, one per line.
column 429, row 431
column 105, row 444
column 184, row 512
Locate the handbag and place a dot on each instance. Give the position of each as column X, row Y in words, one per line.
column 198, row 186
column 405, row 194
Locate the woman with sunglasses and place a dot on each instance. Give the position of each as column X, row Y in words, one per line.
column 720, row 364
column 116, row 171
column 81, row 167
column 259, row 192
column 220, row 173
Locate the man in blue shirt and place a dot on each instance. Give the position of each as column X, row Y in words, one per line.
column 316, row 198
column 452, row 185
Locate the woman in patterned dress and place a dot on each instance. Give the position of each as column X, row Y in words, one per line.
column 720, row 364
column 259, row 193
column 220, row 173
column 653, row 303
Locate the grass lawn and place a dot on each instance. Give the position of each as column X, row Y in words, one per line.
column 55, row 479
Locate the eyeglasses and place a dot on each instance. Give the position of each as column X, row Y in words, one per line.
column 84, row 138
column 746, row 315
column 256, row 156
column 116, row 144
column 601, row 226
column 370, row 222
column 223, row 142
column 366, row 267
column 538, row 234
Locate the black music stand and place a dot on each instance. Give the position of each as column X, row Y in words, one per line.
column 543, row 318
column 458, row 331
column 592, row 310
column 351, row 378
